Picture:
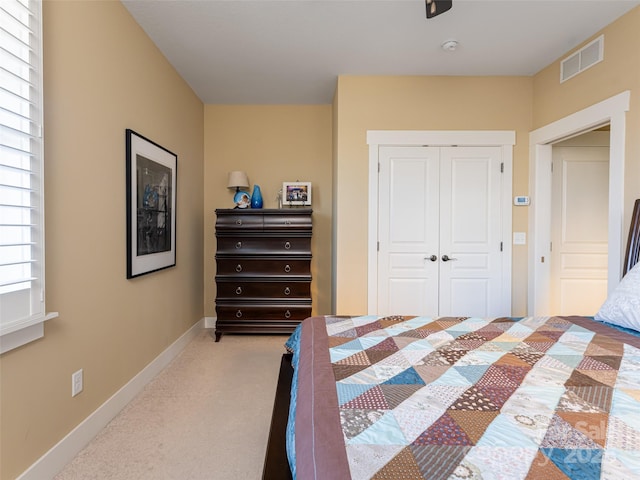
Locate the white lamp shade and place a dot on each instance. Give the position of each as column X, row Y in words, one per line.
column 237, row 179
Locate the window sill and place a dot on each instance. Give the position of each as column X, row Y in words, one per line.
column 25, row 333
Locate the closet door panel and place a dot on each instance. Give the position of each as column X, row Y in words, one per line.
column 408, row 231
column 470, row 226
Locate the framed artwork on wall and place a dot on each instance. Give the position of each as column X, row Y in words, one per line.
column 151, row 206
column 296, row 193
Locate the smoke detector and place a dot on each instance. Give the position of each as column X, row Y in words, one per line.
column 449, row 45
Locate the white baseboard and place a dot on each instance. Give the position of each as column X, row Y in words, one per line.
column 210, row 322
column 52, row 462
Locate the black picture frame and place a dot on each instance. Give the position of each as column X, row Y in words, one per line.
column 151, row 205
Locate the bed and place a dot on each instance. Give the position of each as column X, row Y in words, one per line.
column 402, row 397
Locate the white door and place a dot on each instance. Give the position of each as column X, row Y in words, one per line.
column 470, row 232
column 579, row 229
column 439, row 224
column 409, row 206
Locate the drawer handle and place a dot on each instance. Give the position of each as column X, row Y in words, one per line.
column 239, row 314
column 287, row 291
column 287, row 314
column 239, row 290
column 238, row 268
column 287, row 268
column 287, row 245
column 287, row 222
column 239, row 245
column 239, row 221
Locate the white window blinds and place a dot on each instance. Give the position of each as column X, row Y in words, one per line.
column 21, row 179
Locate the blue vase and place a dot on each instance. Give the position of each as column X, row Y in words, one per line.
column 256, row 197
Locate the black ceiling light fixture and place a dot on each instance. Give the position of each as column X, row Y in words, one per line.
column 436, row 7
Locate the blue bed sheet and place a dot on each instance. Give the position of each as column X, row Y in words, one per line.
column 293, row 345
column 635, row 333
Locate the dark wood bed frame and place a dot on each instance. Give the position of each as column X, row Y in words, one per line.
column 276, row 465
column 632, row 256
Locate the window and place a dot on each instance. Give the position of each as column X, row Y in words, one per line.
column 22, row 309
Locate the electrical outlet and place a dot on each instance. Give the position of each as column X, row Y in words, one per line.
column 76, row 383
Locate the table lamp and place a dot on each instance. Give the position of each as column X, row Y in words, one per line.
column 238, row 180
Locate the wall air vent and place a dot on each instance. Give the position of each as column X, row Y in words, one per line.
column 584, row 58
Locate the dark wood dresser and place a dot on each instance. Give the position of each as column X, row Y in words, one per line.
column 263, row 270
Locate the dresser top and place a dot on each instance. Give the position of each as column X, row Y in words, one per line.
column 263, row 211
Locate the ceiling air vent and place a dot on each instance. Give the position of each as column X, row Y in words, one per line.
column 584, row 58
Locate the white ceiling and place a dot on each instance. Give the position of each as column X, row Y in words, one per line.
column 292, row 51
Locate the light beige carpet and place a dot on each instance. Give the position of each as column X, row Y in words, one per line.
column 206, row 416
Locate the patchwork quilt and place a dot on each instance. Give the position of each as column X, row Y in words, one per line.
column 466, row 398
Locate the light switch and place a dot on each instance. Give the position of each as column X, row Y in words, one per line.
column 519, row 238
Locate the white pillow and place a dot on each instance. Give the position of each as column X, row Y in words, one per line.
column 622, row 307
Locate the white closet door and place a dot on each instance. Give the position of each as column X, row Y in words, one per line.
column 470, row 232
column 434, row 202
column 408, row 231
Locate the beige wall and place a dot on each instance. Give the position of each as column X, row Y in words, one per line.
column 102, row 75
column 417, row 103
column 335, row 108
column 619, row 71
column 271, row 144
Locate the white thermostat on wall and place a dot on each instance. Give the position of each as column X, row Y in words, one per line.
column 521, row 200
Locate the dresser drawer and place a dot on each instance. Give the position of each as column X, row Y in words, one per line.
column 288, row 221
column 259, row 266
column 261, row 312
column 239, row 222
column 237, row 245
column 261, row 290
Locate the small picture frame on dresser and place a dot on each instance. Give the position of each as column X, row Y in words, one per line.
column 296, row 194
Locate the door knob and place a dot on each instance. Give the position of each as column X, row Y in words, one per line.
column 446, row 258
column 433, row 258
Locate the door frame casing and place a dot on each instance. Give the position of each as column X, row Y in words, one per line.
column 610, row 111
column 436, row 138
